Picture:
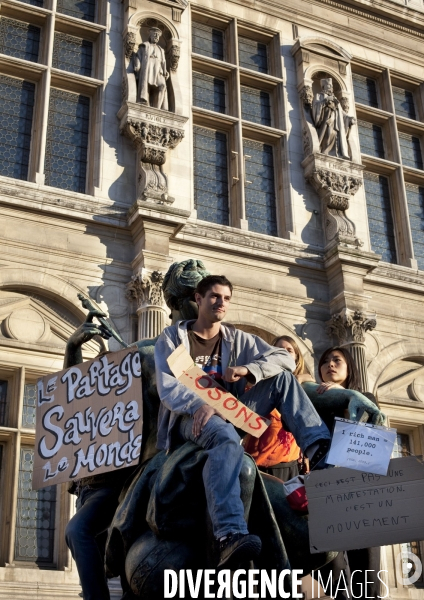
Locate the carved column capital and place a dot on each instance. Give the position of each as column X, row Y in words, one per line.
column 350, row 326
column 146, row 289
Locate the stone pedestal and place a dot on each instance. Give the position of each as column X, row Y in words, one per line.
column 336, row 181
column 152, row 131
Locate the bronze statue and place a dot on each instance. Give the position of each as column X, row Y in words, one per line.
column 162, row 521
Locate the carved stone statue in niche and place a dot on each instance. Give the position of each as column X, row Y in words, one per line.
column 151, row 72
column 329, row 120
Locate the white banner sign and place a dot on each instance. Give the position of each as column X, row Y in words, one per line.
column 361, row 446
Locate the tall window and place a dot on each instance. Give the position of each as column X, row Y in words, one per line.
column 238, row 139
column 389, row 131
column 67, row 141
column 410, row 149
column 253, row 55
column 3, row 402
column 35, row 516
column 415, row 197
column 16, row 113
column 29, row 405
column 19, row 39
column 211, row 175
column 380, row 218
column 404, row 103
column 365, row 90
column 371, row 139
column 64, row 121
column 30, row 536
column 255, row 106
column 260, row 189
column 209, row 92
column 208, row 41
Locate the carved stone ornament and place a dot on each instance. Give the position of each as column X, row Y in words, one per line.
column 336, row 182
column 146, row 288
column 153, row 132
column 174, row 57
column 306, row 95
column 332, row 163
column 350, row 326
column 129, row 44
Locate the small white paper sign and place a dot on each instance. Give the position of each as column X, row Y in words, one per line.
column 361, row 446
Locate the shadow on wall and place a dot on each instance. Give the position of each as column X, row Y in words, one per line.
column 312, row 233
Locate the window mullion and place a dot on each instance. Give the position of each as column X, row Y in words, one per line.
column 44, row 96
column 15, row 458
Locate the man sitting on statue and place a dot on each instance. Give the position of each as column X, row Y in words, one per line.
column 234, row 358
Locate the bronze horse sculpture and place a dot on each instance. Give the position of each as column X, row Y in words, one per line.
column 162, row 521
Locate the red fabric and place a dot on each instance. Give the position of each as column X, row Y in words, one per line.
column 296, row 494
column 274, row 446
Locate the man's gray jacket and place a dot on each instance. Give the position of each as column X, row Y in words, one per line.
column 238, row 349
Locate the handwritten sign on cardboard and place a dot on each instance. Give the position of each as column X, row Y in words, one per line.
column 361, row 446
column 88, row 419
column 192, row 376
column 350, row 509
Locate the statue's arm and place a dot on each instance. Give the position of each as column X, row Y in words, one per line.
column 337, row 400
column 84, row 333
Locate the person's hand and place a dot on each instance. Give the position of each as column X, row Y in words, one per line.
column 233, row 374
column 201, row 417
column 323, row 387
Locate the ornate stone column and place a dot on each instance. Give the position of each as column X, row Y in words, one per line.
column 349, row 328
column 146, row 289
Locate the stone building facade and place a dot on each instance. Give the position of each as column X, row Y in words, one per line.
column 280, row 142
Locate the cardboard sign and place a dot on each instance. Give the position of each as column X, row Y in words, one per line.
column 361, row 446
column 350, row 510
column 88, row 419
column 192, row 376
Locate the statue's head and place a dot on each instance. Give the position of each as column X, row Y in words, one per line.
column 178, row 288
column 154, row 34
column 327, row 85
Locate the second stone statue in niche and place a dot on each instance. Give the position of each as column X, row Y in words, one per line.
column 151, row 72
column 330, row 121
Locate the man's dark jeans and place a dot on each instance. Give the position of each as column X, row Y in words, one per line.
column 95, row 511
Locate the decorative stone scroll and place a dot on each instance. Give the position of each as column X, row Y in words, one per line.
column 145, row 289
column 332, row 156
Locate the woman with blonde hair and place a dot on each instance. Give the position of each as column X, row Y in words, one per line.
column 276, row 451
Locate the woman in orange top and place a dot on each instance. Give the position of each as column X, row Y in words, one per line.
column 276, row 451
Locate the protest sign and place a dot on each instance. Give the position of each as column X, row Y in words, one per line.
column 88, row 419
column 361, row 446
column 350, row 510
column 192, row 376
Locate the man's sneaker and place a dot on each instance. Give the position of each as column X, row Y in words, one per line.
column 236, row 548
column 317, row 460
